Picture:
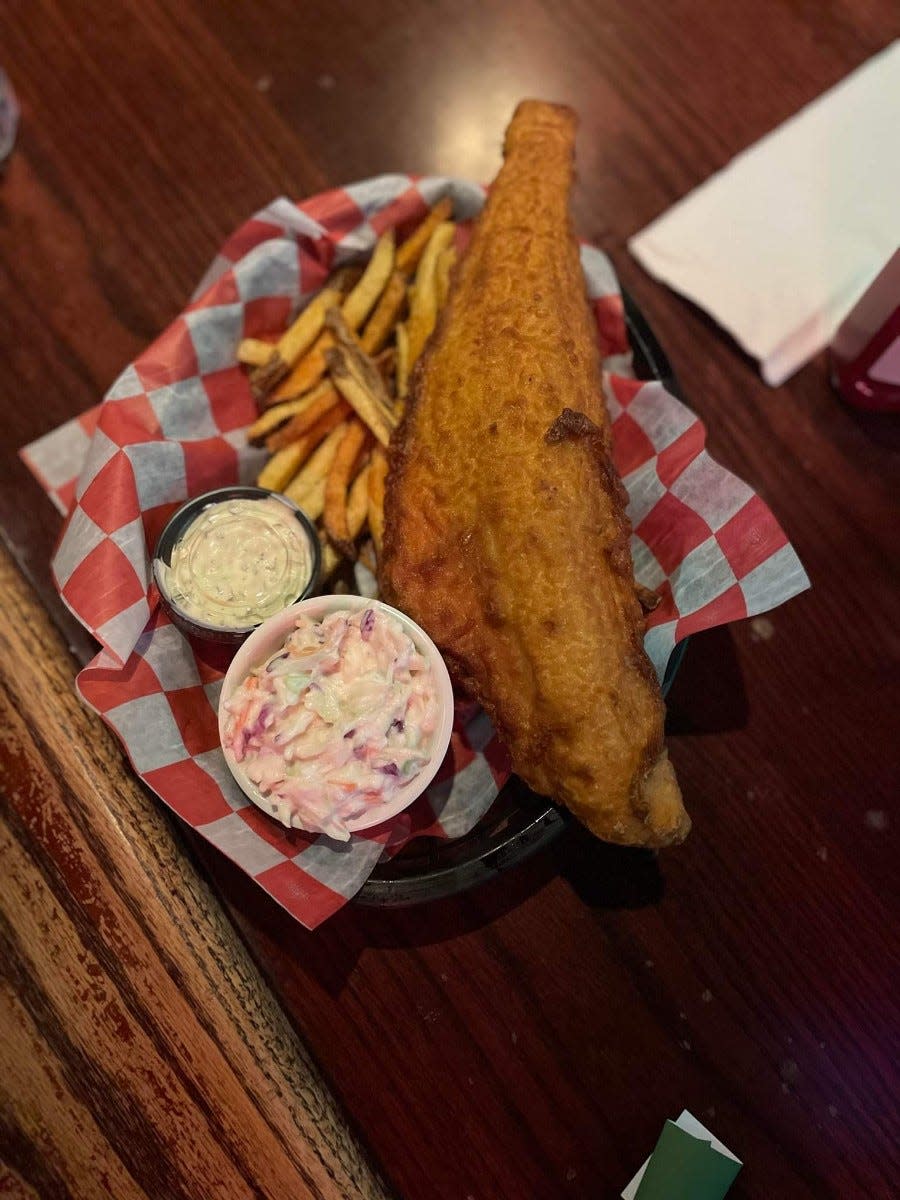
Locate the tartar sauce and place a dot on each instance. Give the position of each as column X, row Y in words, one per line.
column 239, row 562
column 336, row 721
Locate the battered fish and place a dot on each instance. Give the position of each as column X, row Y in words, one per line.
column 505, row 527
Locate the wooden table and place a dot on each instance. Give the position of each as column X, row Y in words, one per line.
column 530, row 1038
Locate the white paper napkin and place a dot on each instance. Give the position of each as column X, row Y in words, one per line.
column 780, row 244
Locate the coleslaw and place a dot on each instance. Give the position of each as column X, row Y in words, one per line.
column 337, row 720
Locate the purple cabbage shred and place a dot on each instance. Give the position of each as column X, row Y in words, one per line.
column 260, row 723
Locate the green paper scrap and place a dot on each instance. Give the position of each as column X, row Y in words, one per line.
column 685, row 1167
column 677, row 1182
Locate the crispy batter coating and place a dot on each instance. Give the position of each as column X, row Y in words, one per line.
column 505, row 529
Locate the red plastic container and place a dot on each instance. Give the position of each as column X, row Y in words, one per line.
column 865, row 353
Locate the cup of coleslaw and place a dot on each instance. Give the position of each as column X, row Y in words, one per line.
column 336, row 714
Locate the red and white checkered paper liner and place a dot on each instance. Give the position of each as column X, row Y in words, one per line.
column 172, row 426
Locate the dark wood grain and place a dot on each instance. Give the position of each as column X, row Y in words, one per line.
column 528, row 1039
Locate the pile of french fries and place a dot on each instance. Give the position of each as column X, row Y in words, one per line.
column 331, row 388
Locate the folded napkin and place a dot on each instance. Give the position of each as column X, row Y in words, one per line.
column 779, row 245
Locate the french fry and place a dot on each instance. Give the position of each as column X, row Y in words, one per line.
column 358, row 502
column 378, row 469
column 365, row 295
column 382, row 321
column 271, row 418
column 298, row 338
column 253, row 352
column 364, row 399
column 282, row 467
column 647, row 597
column 307, row 372
column 346, row 278
column 304, row 447
column 312, row 366
column 411, row 250
column 356, row 377
column 340, row 473
column 313, row 500
column 327, row 421
column 315, row 469
column 402, row 362
column 445, row 264
column 386, row 363
column 424, row 307
column 304, row 420
column 331, row 559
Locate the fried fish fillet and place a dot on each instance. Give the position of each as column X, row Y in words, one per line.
column 505, row 529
